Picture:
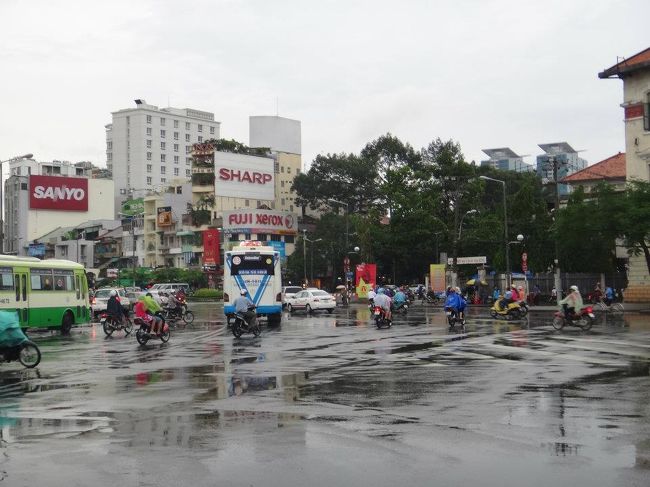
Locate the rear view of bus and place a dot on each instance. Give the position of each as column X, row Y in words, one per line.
column 256, row 269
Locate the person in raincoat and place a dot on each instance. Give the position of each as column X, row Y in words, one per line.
column 572, row 304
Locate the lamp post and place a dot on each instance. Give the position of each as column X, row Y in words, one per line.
column 304, row 256
column 2, row 211
column 347, row 233
column 505, row 226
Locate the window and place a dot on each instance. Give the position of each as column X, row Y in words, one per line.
column 175, row 124
column 63, row 280
column 211, row 130
column 288, row 170
column 148, row 143
column 163, row 145
column 175, row 135
column 175, row 171
column 200, row 138
column 149, row 131
column 176, row 159
column 41, row 279
column 200, row 128
column 276, row 238
column 187, row 137
column 188, row 173
column 187, row 125
column 148, row 118
column 288, row 239
column 282, row 184
column 149, row 180
column 261, row 237
column 163, row 158
column 162, row 134
column 148, row 156
column 109, row 156
column 163, row 180
column 149, row 166
column 646, row 113
column 128, row 120
column 162, row 122
column 109, row 145
column 188, row 149
column 282, row 201
column 281, row 168
column 246, row 202
column 175, row 147
column 188, row 161
column 163, row 170
column 6, row 279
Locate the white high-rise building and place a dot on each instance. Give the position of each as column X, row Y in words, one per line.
column 147, row 147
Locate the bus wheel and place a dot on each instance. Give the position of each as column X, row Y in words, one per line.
column 66, row 324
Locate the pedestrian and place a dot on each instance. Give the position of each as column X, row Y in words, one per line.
column 536, row 294
column 553, row 295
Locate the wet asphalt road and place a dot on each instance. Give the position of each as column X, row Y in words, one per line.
column 329, row 400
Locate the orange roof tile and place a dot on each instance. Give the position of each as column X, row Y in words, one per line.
column 609, row 169
column 638, row 61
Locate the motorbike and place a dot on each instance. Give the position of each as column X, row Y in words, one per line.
column 143, row 334
column 381, row 320
column 400, row 308
column 511, row 312
column 240, row 325
column 179, row 313
column 453, row 317
column 523, row 308
column 110, row 324
column 433, row 298
column 585, row 319
column 27, row 353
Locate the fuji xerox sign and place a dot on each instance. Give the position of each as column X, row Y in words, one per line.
column 260, row 221
column 58, row 193
column 244, row 176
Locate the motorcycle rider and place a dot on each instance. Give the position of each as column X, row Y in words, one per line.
column 453, row 300
column 462, row 304
column 503, row 302
column 384, row 302
column 399, row 299
column 114, row 307
column 173, row 306
column 243, row 306
column 152, row 307
column 515, row 294
column 143, row 312
column 371, row 296
column 572, row 304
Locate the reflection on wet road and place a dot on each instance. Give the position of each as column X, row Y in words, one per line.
column 331, row 400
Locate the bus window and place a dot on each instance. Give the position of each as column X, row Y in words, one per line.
column 252, row 264
column 24, row 287
column 63, row 280
column 41, row 279
column 6, row 279
column 78, row 287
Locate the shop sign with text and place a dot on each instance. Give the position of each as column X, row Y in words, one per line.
column 58, row 193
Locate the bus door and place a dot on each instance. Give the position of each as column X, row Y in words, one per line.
column 22, row 303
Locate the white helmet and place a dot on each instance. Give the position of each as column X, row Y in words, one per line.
column 113, row 292
column 574, row 288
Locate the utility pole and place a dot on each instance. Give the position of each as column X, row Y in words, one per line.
column 558, row 281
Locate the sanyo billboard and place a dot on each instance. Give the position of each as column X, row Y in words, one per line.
column 244, row 176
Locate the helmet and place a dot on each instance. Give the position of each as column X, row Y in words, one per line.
column 242, row 292
column 508, row 295
column 513, row 286
column 113, row 292
column 451, row 290
column 457, row 289
column 574, row 288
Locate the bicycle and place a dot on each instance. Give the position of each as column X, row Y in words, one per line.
column 612, row 308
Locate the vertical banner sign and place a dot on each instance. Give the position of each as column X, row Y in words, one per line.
column 437, row 277
column 366, row 279
column 164, row 216
column 211, row 247
column 524, row 262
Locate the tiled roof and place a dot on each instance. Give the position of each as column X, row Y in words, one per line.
column 638, row 61
column 609, row 169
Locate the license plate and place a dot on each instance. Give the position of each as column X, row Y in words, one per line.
column 377, row 313
column 448, row 313
column 591, row 315
column 102, row 321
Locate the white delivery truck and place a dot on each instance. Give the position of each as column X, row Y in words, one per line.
column 256, row 269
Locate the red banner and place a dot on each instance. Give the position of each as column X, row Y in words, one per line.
column 366, row 279
column 58, row 193
column 211, row 247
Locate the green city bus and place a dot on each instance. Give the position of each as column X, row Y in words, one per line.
column 49, row 293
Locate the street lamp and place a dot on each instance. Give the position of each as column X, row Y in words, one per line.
column 460, row 226
column 2, row 212
column 304, row 256
column 347, row 212
column 505, row 226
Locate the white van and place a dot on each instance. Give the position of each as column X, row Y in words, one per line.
column 256, row 269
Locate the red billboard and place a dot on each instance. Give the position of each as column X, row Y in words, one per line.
column 366, row 279
column 211, row 247
column 58, row 193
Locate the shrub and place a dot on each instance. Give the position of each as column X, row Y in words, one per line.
column 205, row 293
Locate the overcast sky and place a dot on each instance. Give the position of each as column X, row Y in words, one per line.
column 487, row 73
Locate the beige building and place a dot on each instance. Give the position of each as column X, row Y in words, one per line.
column 635, row 73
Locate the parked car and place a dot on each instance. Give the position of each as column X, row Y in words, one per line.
column 168, row 287
column 100, row 299
column 289, row 292
column 310, row 300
